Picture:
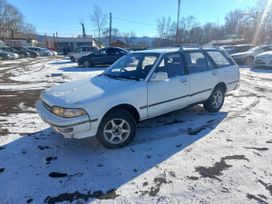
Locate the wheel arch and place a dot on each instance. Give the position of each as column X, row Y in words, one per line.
column 126, row 107
column 221, row 85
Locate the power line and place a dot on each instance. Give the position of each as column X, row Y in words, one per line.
column 132, row 21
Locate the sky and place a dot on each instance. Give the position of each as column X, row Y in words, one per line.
column 140, row 16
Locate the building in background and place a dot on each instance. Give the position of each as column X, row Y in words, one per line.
column 20, row 42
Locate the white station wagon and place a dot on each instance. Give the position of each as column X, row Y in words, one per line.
column 139, row 86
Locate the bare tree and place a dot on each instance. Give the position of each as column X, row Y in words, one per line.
column 129, row 38
column 99, row 19
column 12, row 23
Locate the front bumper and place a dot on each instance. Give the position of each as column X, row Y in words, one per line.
column 263, row 62
column 78, row 127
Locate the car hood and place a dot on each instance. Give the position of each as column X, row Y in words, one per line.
column 81, row 91
column 242, row 54
column 265, row 54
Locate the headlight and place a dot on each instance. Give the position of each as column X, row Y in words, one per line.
column 68, row 112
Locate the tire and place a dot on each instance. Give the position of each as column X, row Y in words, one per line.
column 249, row 60
column 72, row 59
column 86, row 63
column 216, row 100
column 117, row 129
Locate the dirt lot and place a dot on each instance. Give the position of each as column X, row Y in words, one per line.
column 188, row 156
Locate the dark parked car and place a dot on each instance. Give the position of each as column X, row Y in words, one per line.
column 22, row 54
column 104, row 56
column 4, row 55
column 25, row 50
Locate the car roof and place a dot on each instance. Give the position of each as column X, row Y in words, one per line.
column 175, row 49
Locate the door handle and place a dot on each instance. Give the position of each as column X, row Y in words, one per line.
column 183, row 80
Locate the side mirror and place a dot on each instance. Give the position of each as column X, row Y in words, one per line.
column 159, row 76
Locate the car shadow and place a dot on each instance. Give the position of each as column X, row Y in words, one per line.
column 261, row 69
column 62, row 61
column 45, row 167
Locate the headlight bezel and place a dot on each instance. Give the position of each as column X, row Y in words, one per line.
column 68, row 112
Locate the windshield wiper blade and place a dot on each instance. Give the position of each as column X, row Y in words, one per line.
column 130, row 77
column 121, row 77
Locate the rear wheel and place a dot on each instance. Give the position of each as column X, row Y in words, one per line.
column 117, row 129
column 216, row 100
column 249, row 60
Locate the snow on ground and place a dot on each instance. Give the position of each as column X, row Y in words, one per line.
column 187, row 156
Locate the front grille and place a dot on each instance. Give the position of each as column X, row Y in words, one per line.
column 259, row 61
column 46, row 106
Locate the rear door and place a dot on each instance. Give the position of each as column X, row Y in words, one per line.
column 173, row 93
column 202, row 77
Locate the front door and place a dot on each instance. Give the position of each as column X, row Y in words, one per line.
column 171, row 94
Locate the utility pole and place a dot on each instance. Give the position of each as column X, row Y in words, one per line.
column 83, row 30
column 177, row 32
column 110, row 29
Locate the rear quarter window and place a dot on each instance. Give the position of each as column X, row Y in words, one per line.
column 219, row 59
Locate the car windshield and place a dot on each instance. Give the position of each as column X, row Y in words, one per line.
column 134, row 66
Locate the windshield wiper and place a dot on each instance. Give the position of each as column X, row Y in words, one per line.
column 130, row 77
column 121, row 77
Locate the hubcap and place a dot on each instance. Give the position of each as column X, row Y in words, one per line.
column 217, row 99
column 86, row 63
column 116, row 131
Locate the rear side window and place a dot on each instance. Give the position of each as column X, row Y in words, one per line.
column 196, row 62
column 219, row 59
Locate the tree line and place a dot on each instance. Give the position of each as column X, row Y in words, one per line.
column 254, row 25
column 12, row 23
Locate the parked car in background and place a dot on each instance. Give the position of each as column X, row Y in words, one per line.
column 80, row 52
column 241, row 48
column 41, row 51
column 264, row 59
column 104, row 56
column 31, row 53
column 22, row 54
column 5, row 55
column 139, row 86
column 248, row 57
column 53, row 53
column 11, row 55
column 228, row 48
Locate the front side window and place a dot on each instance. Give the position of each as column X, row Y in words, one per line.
column 172, row 64
column 133, row 66
column 219, row 59
column 196, row 62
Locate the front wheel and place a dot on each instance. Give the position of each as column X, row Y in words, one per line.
column 117, row 129
column 86, row 63
column 215, row 101
column 249, row 60
column 72, row 59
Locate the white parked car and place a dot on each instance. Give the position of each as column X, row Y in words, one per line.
column 139, row 86
column 248, row 57
column 264, row 59
column 42, row 51
column 52, row 52
column 80, row 52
